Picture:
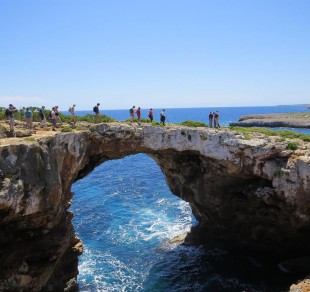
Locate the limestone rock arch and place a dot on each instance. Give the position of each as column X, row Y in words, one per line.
column 252, row 193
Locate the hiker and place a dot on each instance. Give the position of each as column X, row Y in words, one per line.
column 138, row 113
column 42, row 116
column 53, row 118
column 132, row 113
column 29, row 119
column 72, row 112
column 9, row 112
column 151, row 115
column 163, row 117
column 216, row 117
column 56, row 111
column 210, row 119
column 96, row 111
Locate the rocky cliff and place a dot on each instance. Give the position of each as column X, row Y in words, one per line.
column 253, row 193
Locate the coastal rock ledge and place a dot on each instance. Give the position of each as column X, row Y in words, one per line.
column 252, row 193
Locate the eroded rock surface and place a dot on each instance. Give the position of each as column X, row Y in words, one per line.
column 252, row 193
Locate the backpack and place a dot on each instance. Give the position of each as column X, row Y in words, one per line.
column 131, row 111
column 70, row 109
column 95, row 109
column 41, row 114
column 50, row 114
column 7, row 112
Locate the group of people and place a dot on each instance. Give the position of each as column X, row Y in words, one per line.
column 132, row 113
column 214, row 120
column 28, row 115
column 55, row 117
column 9, row 112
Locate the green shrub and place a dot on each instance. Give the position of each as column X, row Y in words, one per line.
column 155, row 123
column 292, row 145
column 91, row 119
column 193, row 124
column 66, row 129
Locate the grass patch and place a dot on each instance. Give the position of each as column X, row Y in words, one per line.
column 30, row 139
column 193, row 124
column 155, row 123
column 268, row 132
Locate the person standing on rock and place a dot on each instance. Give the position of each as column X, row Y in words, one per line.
column 132, row 113
column 58, row 119
column 53, row 119
column 216, row 120
column 72, row 112
column 29, row 119
column 96, row 111
column 9, row 112
column 210, row 119
column 163, row 116
column 42, row 116
column 138, row 113
column 151, row 116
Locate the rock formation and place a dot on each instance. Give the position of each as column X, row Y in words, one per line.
column 253, row 193
column 288, row 120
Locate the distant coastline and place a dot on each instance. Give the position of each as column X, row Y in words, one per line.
column 290, row 120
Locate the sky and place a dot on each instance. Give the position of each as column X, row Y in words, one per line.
column 154, row 53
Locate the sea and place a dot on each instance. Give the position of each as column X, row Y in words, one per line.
column 125, row 215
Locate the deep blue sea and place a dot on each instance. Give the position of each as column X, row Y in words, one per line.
column 125, row 215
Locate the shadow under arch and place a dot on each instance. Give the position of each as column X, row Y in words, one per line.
column 125, row 215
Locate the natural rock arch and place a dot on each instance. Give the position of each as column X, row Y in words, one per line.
column 254, row 193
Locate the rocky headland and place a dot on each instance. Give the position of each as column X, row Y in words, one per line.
column 290, row 120
column 251, row 192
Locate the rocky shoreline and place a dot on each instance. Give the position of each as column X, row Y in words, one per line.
column 294, row 120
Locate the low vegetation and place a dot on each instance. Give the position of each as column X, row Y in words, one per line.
column 30, row 139
column 66, row 129
column 268, row 132
column 292, row 146
column 193, row 124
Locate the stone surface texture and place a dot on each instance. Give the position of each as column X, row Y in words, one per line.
column 252, row 193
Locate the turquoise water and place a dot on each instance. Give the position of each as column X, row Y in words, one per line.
column 125, row 215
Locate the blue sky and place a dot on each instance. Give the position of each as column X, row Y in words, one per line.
column 154, row 53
